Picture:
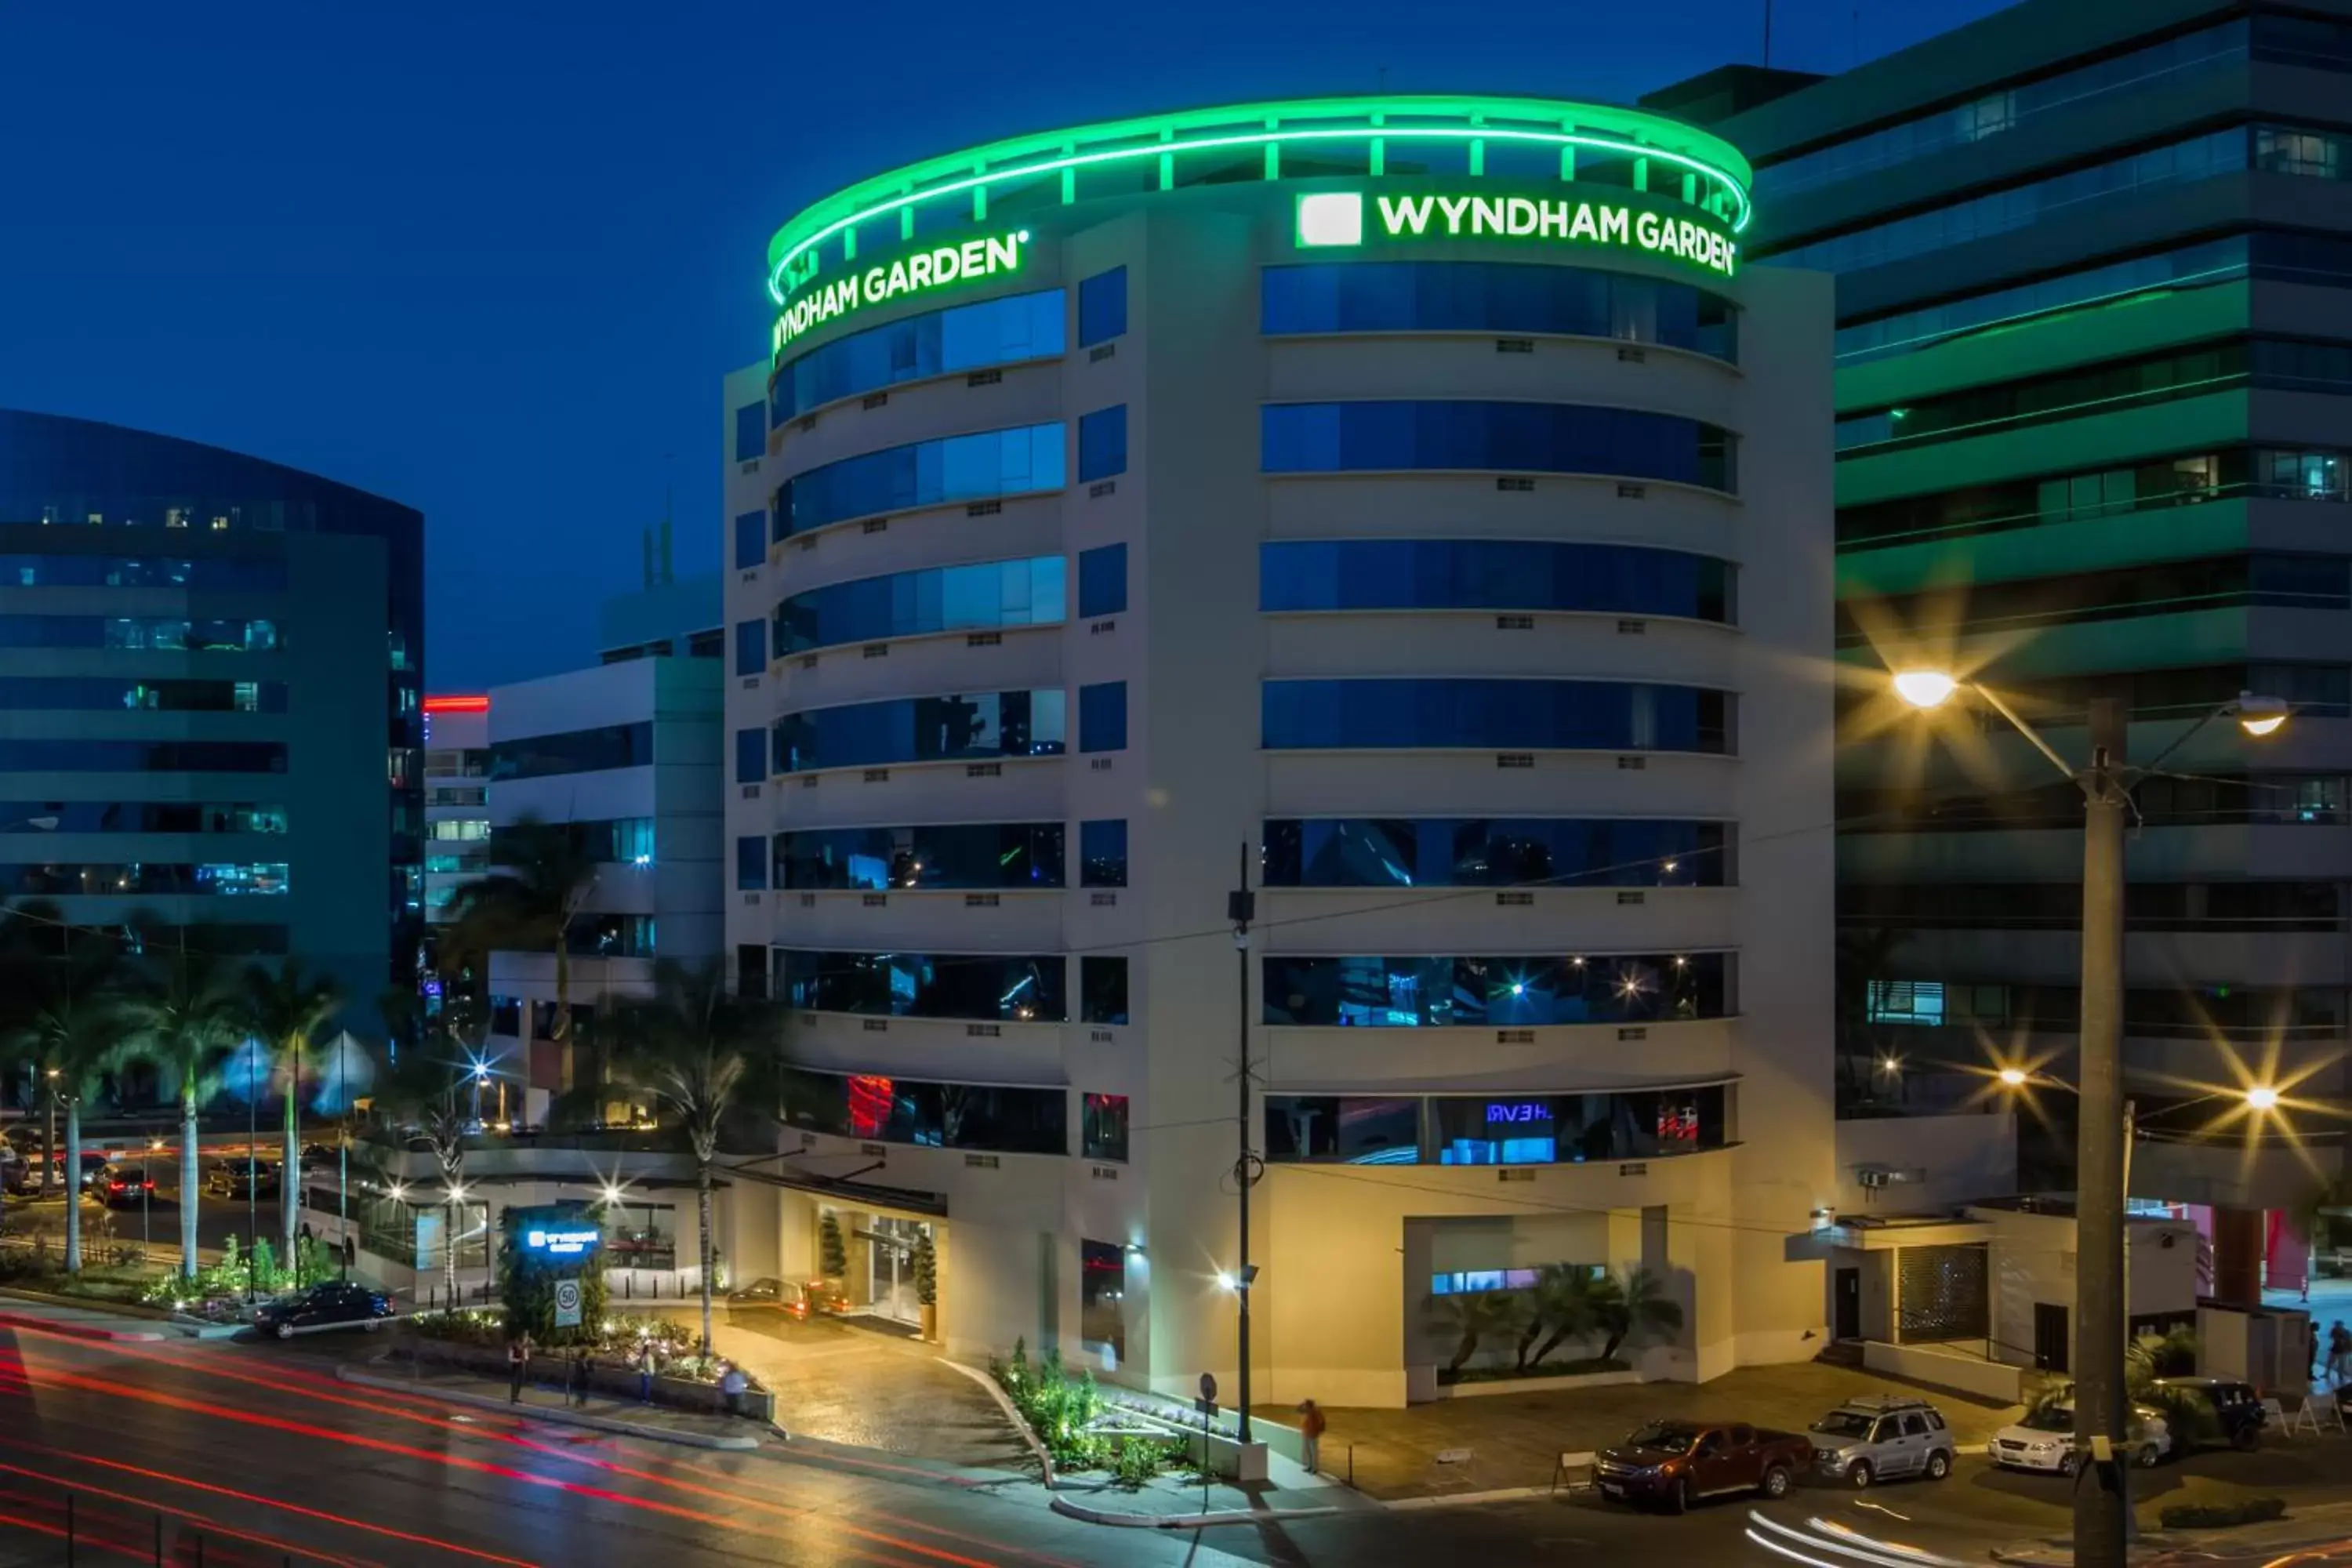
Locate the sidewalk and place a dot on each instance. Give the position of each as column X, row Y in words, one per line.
column 1169, row 1502
column 48, row 1314
column 546, row 1401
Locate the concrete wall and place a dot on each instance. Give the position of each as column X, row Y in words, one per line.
column 1931, row 1161
column 1946, row 1369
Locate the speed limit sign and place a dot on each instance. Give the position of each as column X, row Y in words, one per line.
column 567, row 1303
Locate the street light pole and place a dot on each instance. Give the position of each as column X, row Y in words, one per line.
column 1239, row 909
column 2101, row 1491
column 252, row 1177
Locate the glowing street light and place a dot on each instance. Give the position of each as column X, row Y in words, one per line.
column 2261, row 1096
column 2013, row 1077
column 1925, row 687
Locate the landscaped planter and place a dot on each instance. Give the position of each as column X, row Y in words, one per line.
column 551, row 1369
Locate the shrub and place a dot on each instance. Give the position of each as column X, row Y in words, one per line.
column 832, row 1256
column 2221, row 1515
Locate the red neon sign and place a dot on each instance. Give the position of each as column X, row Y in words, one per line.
column 456, row 705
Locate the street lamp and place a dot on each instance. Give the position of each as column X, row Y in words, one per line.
column 2102, row 1149
column 49, row 1150
column 147, row 1194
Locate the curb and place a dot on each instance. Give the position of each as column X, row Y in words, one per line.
column 79, row 1332
column 557, row 1418
column 1004, row 1404
column 1063, row 1505
column 88, row 1304
column 1465, row 1499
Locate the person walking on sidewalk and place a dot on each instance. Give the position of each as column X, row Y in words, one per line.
column 1310, row 1432
column 733, row 1384
column 643, row 1362
column 518, row 1365
column 2340, row 1353
column 580, row 1370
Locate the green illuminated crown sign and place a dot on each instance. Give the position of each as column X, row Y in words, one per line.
column 1339, row 218
column 917, row 273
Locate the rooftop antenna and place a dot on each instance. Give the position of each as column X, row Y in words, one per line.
column 1768, row 35
column 646, row 537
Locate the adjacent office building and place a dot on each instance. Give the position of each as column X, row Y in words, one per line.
column 1416, row 506
column 2094, row 439
column 209, row 705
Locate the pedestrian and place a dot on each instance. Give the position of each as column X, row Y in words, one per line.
column 2339, row 1353
column 1311, row 1434
column 732, row 1383
column 643, row 1362
column 518, row 1365
column 581, row 1370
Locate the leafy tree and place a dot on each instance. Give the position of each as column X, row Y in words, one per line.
column 695, row 1049
column 832, row 1256
column 289, row 1008
column 1634, row 1309
column 421, row 1090
column 183, row 1023
column 545, row 873
column 927, row 1271
column 1566, row 1305
column 1476, row 1316
column 65, row 1018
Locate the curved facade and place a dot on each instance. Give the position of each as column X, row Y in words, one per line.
column 209, row 712
column 1417, row 499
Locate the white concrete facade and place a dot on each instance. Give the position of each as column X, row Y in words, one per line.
column 1348, row 1250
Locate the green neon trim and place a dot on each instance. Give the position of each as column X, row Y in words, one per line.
column 1604, row 128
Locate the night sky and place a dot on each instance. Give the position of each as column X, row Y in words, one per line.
column 491, row 259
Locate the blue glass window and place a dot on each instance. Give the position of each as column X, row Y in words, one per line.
column 981, row 597
column 874, row 1109
column 750, row 755
column 1492, row 574
column 1514, row 992
column 1494, row 297
column 1102, row 853
column 175, row 634
column 968, row 336
column 1102, row 717
column 750, row 538
column 982, row 725
column 1354, row 1130
column 1500, row 715
column 978, row 854
column 573, row 752
column 265, row 574
column 1102, row 443
column 54, row 881
column 1102, row 307
column 751, row 432
column 142, row 816
column 1495, row 852
column 143, row 757
column 1521, row 438
column 1571, row 1128
column 99, row 693
column 988, row 988
column 985, row 467
column 750, row 864
column 751, row 647
column 1102, row 581
column 1102, row 990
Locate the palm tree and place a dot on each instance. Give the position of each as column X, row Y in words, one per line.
column 289, row 1008
column 1474, row 1316
column 182, row 1025
column 424, row 1090
column 695, row 1049
column 67, row 1022
column 546, row 872
column 1567, row 1301
column 1636, row 1309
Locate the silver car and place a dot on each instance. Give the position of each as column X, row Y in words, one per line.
column 1881, row 1437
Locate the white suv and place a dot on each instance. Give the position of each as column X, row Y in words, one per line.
column 2044, row 1440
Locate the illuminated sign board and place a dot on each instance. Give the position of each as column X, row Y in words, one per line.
column 562, row 1242
column 1517, row 1111
column 916, row 272
column 1335, row 219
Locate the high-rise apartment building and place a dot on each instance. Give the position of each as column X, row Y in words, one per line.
column 209, row 709
column 1417, row 507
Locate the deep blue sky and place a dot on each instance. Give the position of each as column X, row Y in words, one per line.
column 491, row 259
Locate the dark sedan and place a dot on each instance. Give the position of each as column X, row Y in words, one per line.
column 335, row 1304
column 121, row 1186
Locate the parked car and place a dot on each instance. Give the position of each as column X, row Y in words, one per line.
column 771, row 1295
column 1677, row 1463
column 2231, row 1409
column 230, row 1179
column 1880, row 1437
column 121, row 1186
column 338, row 1302
column 2044, row 1440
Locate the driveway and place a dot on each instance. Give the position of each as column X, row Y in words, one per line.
column 1515, row 1439
column 841, row 1380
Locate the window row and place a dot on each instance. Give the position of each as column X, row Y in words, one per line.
column 176, row 633
column 986, row 596
column 2188, row 691
column 575, row 752
column 1495, row 852
column 143, row 757
column 2161, row 588
column 1508, row 992
column 2271, row 473
column 986, row 467
column 142, row 876
column 2164, row 800
column 941, row 857
column 62, row 816
column 935, row 1115
column 982, row 987
column 2256, row 1014
column 1404, row 435
column 1517, row 1129
column 263, row 573
column 938, row 343
column 1503, row 715
column 1502, row 297
column 1493, row 574
column 93, row 693
column 610, row 936
column 2148, row 906
column 974, row 726
column 2287, row 363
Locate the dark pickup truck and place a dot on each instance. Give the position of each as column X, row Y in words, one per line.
column 1677, row 1463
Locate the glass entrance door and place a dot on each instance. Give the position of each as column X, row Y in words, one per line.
column 890, row 1253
